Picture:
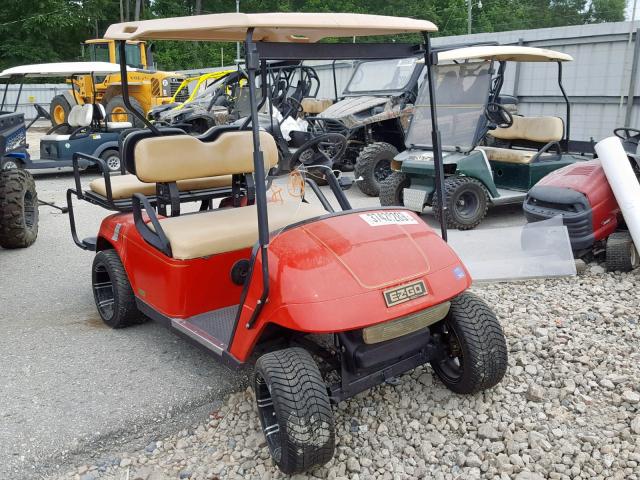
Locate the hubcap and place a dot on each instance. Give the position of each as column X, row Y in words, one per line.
column 452, row 366
column 103, row 292
column 113, row 162
column 268, row 419
column 58, row 114
column 466, row 205
column 9, row 165
column 382, row 170
column 119, row 114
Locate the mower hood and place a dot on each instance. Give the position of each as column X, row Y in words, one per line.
column 353, row 110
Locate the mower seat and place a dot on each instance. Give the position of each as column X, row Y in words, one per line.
column 198, row 235
column 124, row 186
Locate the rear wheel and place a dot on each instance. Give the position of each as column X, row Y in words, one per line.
column 59, row 109
column 118, row 112
column 373, row 166
column 112, row 158
column 9, row 163
column 621, row 253
column 392, row 189
column 466, row 200
column 112, row 291
column 475, row 347
column 294, row 410
column 18, row 209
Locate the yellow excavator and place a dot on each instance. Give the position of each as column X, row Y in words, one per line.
column 148, row 87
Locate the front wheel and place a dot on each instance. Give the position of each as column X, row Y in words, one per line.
column 294, row 410
column 621, row 254
column 117, row 111
column 59, row 109
column 466, row 200
column 373, row 166
column 18, row 209
column 475, row 348
column 392, row 189
column 112, row 158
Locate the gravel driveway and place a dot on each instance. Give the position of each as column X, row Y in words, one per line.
column 568, row 408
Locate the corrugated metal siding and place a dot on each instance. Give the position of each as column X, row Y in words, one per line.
column 41, row 93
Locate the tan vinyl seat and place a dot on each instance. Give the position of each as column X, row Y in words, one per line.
column 124, row 186
column 532, row 129
column 315, row 105
column 203, row 234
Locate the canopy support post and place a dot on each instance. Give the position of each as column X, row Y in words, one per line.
column 566, row 99
column 124, row 80
column 431, row 59
column 252, row 58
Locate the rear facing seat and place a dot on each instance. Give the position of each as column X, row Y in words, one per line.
column 79, row 116
column 202, row 234
column 124, row 186
column 536, row 130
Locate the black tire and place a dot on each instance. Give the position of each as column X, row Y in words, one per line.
column 392, row 189
column 111, row 156
column 117, row 103
column 467, row 202
column 60, row 104
column 373, row 165
column 621, row 254
column 476, row 347
column 294, row 410
column 10, row 163
column 112, row 291
column 18, row 209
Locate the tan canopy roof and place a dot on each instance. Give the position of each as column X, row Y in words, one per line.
column 511, row 53
column 268, row 27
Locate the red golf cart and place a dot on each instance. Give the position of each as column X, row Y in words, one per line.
column 330, row 300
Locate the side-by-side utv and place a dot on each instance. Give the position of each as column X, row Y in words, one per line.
column 491, row 156
column 330, row 301
column 86, row 129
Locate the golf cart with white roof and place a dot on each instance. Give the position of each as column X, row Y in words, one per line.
column 86, row 130
column 331, row 301
column 491, row 156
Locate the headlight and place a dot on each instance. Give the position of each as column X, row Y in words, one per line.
column 166, row 89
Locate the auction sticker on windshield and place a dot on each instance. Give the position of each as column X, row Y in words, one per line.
column 377, row 219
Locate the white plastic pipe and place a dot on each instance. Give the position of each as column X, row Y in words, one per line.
column 623, row 182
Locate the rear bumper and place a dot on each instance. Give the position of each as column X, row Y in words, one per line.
column 544, row 202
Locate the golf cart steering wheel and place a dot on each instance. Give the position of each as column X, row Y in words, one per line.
column 323, row 150
column 626, row 134
column 42, row 113
column 498, row 115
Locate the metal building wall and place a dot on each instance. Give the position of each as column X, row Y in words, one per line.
column 41, row 93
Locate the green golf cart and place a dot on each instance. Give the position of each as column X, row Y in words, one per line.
column 490, row 156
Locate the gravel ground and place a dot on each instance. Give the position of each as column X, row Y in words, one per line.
column 568, row 407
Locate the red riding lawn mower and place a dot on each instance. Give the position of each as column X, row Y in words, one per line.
column 581, row 194
column 331, row 303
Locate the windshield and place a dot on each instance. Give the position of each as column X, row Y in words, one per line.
column 462, row 91
column 381, row 76
column 134, row 59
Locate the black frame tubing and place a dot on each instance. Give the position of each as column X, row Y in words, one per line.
column 6, row 89
column 566, row 99
column 431, row 59
column 252, row 59
column 124, row 80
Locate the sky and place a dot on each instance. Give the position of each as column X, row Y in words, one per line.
column 630, row 9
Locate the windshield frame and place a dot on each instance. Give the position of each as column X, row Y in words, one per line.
column 481, row 123
column 418, row 70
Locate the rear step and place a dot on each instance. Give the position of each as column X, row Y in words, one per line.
column 211, row 329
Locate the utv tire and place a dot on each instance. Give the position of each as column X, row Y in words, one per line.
column 116, row 108
column 294, row 410
column 59, row 109
column 9, row 163
column 466, row 200
column 112, row 291
column 111, row 157
column 621, row 254
column 476, row 347
column 392, row 189
column 18, row 209
column 373, row 165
